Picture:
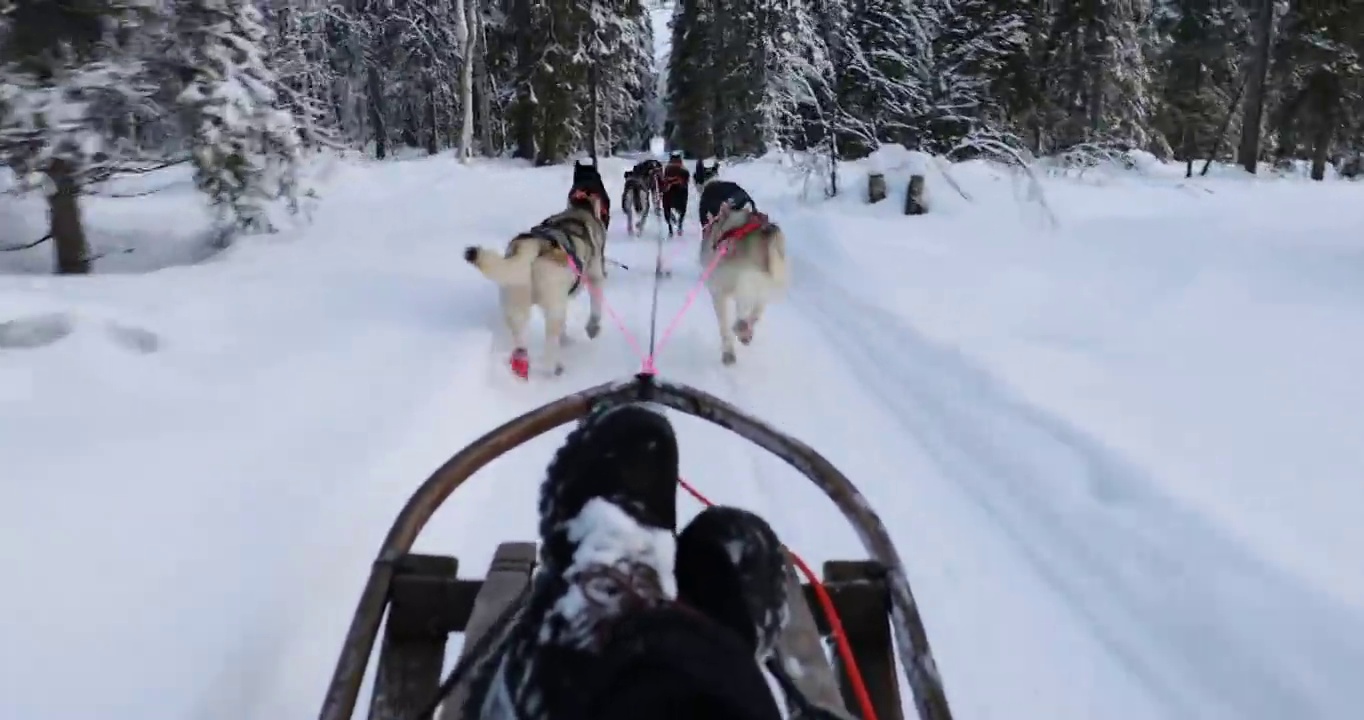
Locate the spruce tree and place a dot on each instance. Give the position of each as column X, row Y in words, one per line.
column 245, row 148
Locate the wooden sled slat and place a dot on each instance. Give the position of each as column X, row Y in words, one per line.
column 801, row 651
column 859, row 593
column 508, row 577
column 424, row 589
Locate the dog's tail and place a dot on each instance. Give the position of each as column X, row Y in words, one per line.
column 776, row 256
column 511, row 269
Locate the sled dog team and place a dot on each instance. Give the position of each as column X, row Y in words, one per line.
column 554, row 261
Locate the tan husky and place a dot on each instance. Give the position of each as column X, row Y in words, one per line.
column 541, row 267
column 751, row 272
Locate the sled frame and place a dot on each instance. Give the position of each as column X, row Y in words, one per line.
column 430, row 603
column 915, row 655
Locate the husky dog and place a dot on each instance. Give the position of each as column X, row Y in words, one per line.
column 641, row 194
column 716, row 192
column 673, row 188
column 546, row 266
column 751, row 270
column 587, row 179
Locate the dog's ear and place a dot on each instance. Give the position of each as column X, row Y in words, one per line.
column 627, row 174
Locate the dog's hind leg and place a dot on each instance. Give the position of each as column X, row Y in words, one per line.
column 750, row 307
column 516, row 305
column 721, row 303
column 594, row 298
column 747, row 324
column 556, row 322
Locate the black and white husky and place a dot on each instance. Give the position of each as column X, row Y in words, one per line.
column 640, row 196
column 547, row 266
column 716, row 192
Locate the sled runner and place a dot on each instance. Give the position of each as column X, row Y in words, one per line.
column 426, row 603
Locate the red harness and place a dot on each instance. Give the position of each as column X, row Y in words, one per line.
column 581, row 194
column 756, row 221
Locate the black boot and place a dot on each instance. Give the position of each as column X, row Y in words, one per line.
column 731, row 566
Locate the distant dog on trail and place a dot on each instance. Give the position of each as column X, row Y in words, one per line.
column 750, row 270
column 640, row 194
column 587, row 179
column 716, row 192
column 547, row 266
column 673, row 186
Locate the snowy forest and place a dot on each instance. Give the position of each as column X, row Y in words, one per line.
column 246, row 89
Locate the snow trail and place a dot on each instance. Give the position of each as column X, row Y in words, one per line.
column 1166, row 595
column 245, row 447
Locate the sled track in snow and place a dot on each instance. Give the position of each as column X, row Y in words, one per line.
column 1160, row 589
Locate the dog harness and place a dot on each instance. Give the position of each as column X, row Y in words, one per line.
column 581, row 194
column 756, row 222
column 673, row 176
column 560, row 240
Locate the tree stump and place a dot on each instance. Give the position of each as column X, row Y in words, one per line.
column 914, row 196
column 876, row 187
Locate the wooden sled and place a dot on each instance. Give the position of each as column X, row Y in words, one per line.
column 426, row 602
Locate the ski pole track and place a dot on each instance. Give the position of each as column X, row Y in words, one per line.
column 1165, row 593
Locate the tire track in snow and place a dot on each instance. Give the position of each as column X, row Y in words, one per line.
column 1208, row 630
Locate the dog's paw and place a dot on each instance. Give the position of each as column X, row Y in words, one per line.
column 728, row 357
column 558, row 369
column 593, row 328
column 520, row 363
column 743, row 329
column 471, row 254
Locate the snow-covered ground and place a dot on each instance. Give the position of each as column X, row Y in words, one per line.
column 1121, row 457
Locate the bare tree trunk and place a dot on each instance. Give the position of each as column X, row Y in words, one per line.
column 1327, row 91
column 1190, row 134
column 1249, row 152
column 68, row 234
column 523, row 111
column 483, row 82
column 375, row 92
column 593, row 122
column 465, row 11
column 433, row 125
column 1222, row 131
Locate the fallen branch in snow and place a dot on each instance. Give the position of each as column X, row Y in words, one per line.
column 144, row 193
column 34, row 244
column 1012, row 157
column 945, row 168
column 116, row 251
column 105, row 173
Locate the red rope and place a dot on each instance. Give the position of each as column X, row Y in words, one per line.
column 830, row 612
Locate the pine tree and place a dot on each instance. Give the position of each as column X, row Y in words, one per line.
column 797, row 75
column 245, row 148
column 987, row 81
column 68, row 88
column 634, row 119
column 691, row 99
column 883, row 82
column 1096, row 79
column 1319, row 63
column 1197, row 75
